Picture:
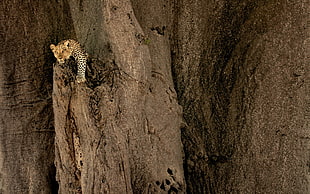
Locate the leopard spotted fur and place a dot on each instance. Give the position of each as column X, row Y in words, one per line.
column 67, row 48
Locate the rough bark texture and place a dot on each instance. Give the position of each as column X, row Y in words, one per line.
column 240, row 70
column 126, row 130
column 242, row 80
column 26, row 116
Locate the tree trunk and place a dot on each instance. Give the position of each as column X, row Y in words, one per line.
column 240, row 74
column 241, row 77
column 122, row 135
column 26, row 127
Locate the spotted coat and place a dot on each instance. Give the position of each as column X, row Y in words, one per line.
column 67, row 48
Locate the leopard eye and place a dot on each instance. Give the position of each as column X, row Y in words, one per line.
column 62, row 51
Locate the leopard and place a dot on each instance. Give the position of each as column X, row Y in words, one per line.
column 67, row 48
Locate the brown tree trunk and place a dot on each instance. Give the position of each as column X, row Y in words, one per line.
column 242, row 78
column 119, row 136
column 26, row 127
column 240, row 71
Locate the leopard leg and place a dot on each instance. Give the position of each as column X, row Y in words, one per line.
column 81, row 70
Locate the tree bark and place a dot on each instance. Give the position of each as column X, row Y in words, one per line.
column 121, row 136
column 26, row 127
column 240, row 74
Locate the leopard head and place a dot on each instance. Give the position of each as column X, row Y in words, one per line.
column 61, row 52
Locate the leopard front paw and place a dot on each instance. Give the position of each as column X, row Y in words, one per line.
column 80, row 79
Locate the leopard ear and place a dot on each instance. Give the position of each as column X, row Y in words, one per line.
column 52, row 47
column 66, row 43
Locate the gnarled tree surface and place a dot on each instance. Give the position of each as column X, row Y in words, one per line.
column 242, row 78
column 26, row 116
column 126, row 130
column 236, row 71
